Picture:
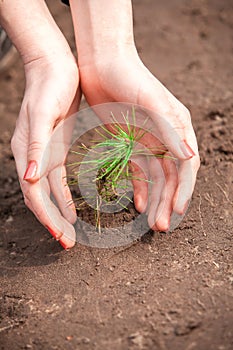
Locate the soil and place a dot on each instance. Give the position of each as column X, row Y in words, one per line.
column 165, row 291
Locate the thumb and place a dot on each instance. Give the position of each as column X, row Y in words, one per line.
column 172, row 120
column 38, row 152
column 177, row 135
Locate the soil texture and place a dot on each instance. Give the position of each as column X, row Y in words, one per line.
column 165, row 291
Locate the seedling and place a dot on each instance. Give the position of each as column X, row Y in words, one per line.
column 107, row 163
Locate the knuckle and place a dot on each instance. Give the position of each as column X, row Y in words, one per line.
column 197, row 162
column 34, row 146
column 27, row 201
column 40, row 215
column 185, row 116
column 14, row 143
column 186, row 112
column 26, row 189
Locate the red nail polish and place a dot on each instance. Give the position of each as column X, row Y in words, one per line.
column 53, row 233
column 31, row 170
column 186, row 149
column 63, row 245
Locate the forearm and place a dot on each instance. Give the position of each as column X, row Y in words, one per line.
column 102, row 27
column 32, row 29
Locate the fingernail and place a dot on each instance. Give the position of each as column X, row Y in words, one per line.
column 53, row 233
column 31, row 170
column 63, row 245
column 186, row 149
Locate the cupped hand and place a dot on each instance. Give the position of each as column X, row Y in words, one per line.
column 124, row 78
column 51, row 95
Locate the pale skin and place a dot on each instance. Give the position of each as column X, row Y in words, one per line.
column 110, row 70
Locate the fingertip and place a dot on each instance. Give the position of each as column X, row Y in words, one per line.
column 163, row 225
column 180, row 202
column 186, row 149
column 140, row 203
column 31, row 172
column 57, row 235
column 159, row 224
column 181, row 208
column 65, row 240
column 67, row 244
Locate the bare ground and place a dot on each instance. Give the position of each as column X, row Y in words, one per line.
column 166, row 291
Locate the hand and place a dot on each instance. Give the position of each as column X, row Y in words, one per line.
column 51, row 95
column 111, row 71
column 123, row 77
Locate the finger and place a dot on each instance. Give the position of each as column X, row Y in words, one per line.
column 42, row 125
column 43, row 117
column 187, row 178
column 32, row 199
column 61, row 192
column 158, row 178
column 19, row 142
column 38, row 154
column 139, row 173
column 164, row 211
column 172, row 120
column 38, row 200
column 172, row 130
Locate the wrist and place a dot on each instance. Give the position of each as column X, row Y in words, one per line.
column 34, row 36
column 102, row 28
column 102, row 56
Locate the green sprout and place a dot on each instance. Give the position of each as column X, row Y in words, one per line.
column 109, row 159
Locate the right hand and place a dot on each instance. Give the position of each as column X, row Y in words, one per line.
column 124, row 78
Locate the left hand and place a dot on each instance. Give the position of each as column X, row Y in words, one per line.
column 51, row 96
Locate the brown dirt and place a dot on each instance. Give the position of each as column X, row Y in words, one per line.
column 166, row 291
